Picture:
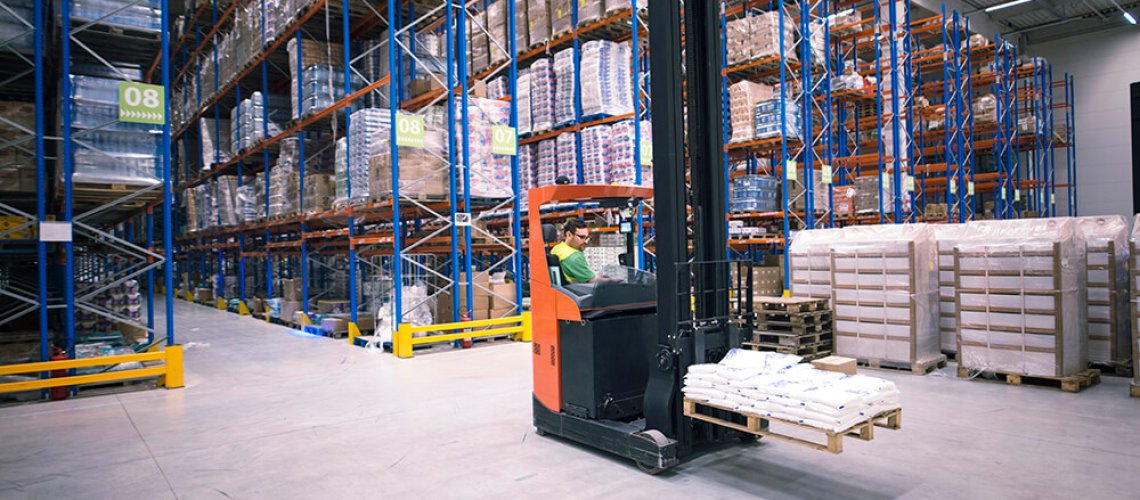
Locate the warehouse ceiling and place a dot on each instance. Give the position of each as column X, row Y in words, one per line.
column 1036, row 21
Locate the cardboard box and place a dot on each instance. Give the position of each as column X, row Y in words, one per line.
column 333, row 306
column 255, row 305
column 334, row 325
column 366, row 322
column 204, row 296
column 837, row 364
column 502, row 295
column 503, row 312
column 289, row 290
column 288, row 307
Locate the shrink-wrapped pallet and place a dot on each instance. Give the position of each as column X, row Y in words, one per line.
column 946, row 237
column 743, row 96
column 1134, row 315
column 1106, row 244
column 884, row 293
column 1021, row 288
column 810, row 261
column 538, row 22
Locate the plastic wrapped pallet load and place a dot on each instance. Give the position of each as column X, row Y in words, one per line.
column 810, row 262
column 946, row 237
column 743, row 96
column 1133, row 281
column 773, row 385
column 884, row 291
column 1106, row 247
column 1021, row 290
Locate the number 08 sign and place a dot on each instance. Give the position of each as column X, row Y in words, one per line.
column 142, row 103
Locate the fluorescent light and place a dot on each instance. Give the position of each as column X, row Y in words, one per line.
column 1128, row 17
column 1001, row 6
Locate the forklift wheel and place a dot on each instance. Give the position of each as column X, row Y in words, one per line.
column 649, row 469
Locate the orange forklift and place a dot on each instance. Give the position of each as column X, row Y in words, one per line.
column 609, row 357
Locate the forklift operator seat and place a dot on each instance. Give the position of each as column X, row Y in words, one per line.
column 553, row 265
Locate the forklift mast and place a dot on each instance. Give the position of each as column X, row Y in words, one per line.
column 688, row 290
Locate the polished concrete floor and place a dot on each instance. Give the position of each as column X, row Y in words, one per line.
column 270, row 414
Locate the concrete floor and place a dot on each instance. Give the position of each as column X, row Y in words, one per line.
column 269, row 414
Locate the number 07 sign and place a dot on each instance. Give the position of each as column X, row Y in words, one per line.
column 142, row 103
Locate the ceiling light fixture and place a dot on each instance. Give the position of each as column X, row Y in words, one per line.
column 1127, row 15
column 1001, row 6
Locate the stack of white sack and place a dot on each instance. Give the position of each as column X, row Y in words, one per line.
column 769, row 384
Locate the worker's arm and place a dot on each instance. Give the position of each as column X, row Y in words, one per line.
column 576, row 270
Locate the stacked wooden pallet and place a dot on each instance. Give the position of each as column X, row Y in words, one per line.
column 793, row 325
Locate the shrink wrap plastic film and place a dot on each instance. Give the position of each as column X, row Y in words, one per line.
column 946, row 237
column 884, row 293
column 773, row 385
column 1106, row 243
column 810, row 262
column 1021, row 289
column 1134, row 270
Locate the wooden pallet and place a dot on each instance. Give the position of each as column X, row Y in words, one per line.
column 919, row 367
column 790, row 304
column 761, row 426
column 807, row 352
column 799, row 318
column 1072, row 383
column 791, row 339
column 1107, row 368
column 798, row 329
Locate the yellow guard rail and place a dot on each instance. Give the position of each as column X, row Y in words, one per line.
column 170, row 374
column 518, row 327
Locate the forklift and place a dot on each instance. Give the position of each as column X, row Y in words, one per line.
column 609, row 357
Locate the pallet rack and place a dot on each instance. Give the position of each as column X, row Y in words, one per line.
column 937, row 151
column 76, row 241
column 454, row 241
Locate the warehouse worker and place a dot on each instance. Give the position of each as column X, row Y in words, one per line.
column 569, row 252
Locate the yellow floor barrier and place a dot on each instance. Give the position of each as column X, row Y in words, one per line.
column 403, row 341
column 170, row 375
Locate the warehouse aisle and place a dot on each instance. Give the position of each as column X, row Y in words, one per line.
column 267, row 413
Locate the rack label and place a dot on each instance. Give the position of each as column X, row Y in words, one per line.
column 908, row 183
column 142, row 103
column 646, row 150
column 790, row 170
column 970, row 188
column 504, row 140
column 826, row 176
column 1017, row 195
column 55, row 231
column 409, row 130
column 953, row 186
column 1052, row 199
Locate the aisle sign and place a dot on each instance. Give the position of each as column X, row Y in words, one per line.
column 826, row 177
column 1017, row 195
column 504, row 140
column 953, row 186
column 142, row 103
column 970, row 188
column 409, row 130
column 908, row 183
column 790, row 170
column 646, row 151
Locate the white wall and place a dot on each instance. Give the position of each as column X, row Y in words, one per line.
column 1104, row 64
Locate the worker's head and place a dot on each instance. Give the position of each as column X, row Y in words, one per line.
column 575, row 233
